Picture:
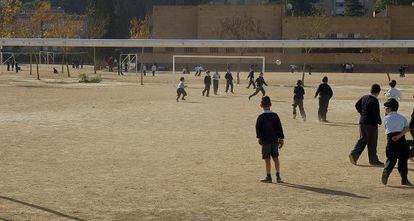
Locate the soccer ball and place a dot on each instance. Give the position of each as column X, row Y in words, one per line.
column 278, row 62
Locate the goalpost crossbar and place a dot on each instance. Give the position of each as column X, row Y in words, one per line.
column 263, row 58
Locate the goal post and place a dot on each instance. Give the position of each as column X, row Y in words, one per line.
column 262, row 58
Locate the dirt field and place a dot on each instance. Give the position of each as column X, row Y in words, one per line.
column 121, row 151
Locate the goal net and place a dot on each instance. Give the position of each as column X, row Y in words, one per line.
column 188, row 63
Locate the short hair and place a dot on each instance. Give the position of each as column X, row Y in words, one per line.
column 325, row 79
column 375, row 89
column 299, row 82
column 393, row 83
column 392, row 104
column 266, row 102
column 182, row 79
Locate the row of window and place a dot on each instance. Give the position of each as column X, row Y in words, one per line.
column 343, row 36
column 226, row 50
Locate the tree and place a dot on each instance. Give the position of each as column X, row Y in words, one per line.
column 382, row 4
column 315, row 25
column 354, row 8
column 8, row 12
column 139, row 29
column 241, row 27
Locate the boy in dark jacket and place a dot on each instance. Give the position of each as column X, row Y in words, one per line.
column 229, row 81
column 325, row 94
column 259, row 86
column 299, row 92
column 207, row 84
column 270, row 135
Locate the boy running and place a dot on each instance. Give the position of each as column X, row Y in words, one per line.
column 397, row 147
column 259, row 86
column 181, row 89
column 250, row 77
column 270, row 135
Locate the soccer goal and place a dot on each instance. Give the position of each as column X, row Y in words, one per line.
column 175, row 57
column 6, row 57
column 128, row 62
column 46, row 57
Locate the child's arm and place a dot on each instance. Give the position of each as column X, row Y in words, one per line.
column 280, row 134
column 259, row 130
column 396, row 138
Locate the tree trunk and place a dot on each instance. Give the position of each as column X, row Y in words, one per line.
column 37, row 68
column 142, row 65
column 94, row 60
column 63, row 63
column 67, row 64
column 31, row 61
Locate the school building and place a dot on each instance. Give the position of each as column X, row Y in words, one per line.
column 271, row 22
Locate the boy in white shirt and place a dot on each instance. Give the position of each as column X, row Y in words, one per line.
column 397, row 147
column 393, row 92
column 181, row 89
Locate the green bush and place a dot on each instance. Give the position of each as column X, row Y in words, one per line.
column 84, row 78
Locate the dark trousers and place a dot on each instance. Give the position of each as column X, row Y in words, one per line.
column 153, row 73
column 323, row 107
column 181, row 91
column 299, row 103
column 397, row 151
column 215, row 86
column 368, row 137
column 251, row 82
column 258, row 89
column 229, row 84
column 207, row 89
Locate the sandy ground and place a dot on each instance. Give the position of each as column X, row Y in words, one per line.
column 121, row 151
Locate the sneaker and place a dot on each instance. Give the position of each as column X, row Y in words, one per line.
column 377, row 164
column 279, row 180
column 406, row 182
column 183, row 99
column 294, row 116
column 304, row 119
column 384, row 178
column 266, row 180
column 352, row 159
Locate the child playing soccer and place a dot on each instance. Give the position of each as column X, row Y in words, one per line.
column 181, row 89
column 393, row 92
column 259, row 86
column 397, row 147
column 298, row 92
column 269, row 131
column 207, row 84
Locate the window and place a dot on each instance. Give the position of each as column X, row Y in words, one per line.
column 214, row 50
column 269, row 50
column 230, row 50
column 190, row 50
column 252, row 50
column 148, row 50
column 169, row 49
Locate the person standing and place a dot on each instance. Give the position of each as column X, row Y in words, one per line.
column 396, row 125
column 207, row 84
column 393, row 92
column 269, row 133
column 250, row 77
column 216, row 79
column 229, row 81
column 153, row 69
column 259, row 86
column 325, row 94
column 298, row 97
column 368, row 108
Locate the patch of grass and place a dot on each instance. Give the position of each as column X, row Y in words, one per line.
column 84, row 78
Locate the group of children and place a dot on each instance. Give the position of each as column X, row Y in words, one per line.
column 270, row 134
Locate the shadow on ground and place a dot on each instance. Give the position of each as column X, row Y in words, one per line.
column 44, row 209
column 323, row 190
